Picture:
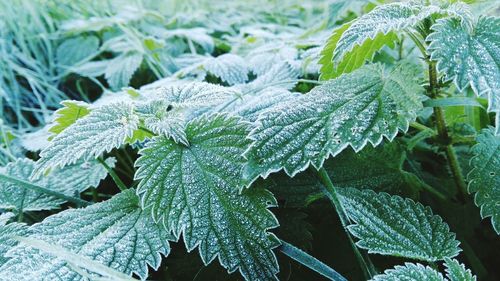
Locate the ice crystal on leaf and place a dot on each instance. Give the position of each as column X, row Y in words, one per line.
column 391, row 225
column 410, row 272
column 195, row 191
column 230, row 68
column 354, row 109
column 457, row 271
column 100, row 131
column 470, row 57
column 484, row 178
column 116, row 233
column 8, row 231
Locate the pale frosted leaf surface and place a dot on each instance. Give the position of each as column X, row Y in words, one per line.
column 230, row 68
column 195, row 94
column 470, row 57
column 195, row 191
column 262, row 59
column 7, row 233
column 116, row 233
column 391, row 225
column 354, row 109
column 91, row 68
column 103, row 129
column 281, row 75
column 70, row 180
column 410, row 272
column 75, row 50
column 68, row 114
column 119, row 70
column 456, row 271
column 484, row 178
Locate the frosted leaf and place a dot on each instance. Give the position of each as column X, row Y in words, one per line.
column 263, row 58
column 197, row 35
column 195, row 191
column 77, row 49
column 251, row 106
column 68, row 114
column 410, row 272
column 195, row 94
column 36, row 140
column 281, row 75
column 484, row 178
column 354, row 109
column 383, row 19
column 116, row 233
column 100, row 131
column 119, row 70
column 470, row 57
column 354, row 58
column 162, row 118
column 230, row 68
column 391, row 225
column 457, row 272
column 69, row 180
column 7, row 233
column 91, row 68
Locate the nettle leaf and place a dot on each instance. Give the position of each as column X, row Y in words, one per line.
column 484, row 178
column 230, row 68
column 116, row 233
column 100, row 131
column 68, row 114
column 354, row 109
column 391, row 225
column 265, row 57
column 195, row 190
column 69, row 180
column 410, row 272
column 195, row 94
column 470, row 56
column 119, row 70
column 354, row 58
column 75, row 50
column 457, row 272
column 281, row 75
column 7, row 234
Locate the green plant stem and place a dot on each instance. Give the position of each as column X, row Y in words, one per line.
column 363, row 259
column 443, row 135
column 41, row 189
column 310, row 261
column 113, row 175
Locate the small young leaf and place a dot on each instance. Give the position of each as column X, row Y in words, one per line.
column 116, row 233
column 354, row 109
column 68, row 114
column 391, row 225
column 103, row 129
column 470, row 57
column 484, row 178
column 119, row 70
column 410, row 272
column 195, row 191
column 457, row 272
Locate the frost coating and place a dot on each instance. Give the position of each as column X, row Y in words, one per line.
column 391, row 225
column 457, row 271
column 116, row 233
column 195, row 191
column 484, row 178
column 230, row 68
column 410, row 272
column 470, row 57
column 360, row 107
column 7, row 232
column 103, row 129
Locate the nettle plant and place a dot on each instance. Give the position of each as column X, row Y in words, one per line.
column 209, row 157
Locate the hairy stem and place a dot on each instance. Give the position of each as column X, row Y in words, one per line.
column 310, row 261
column 363, row 259
column 41, row 189
column 113, row 175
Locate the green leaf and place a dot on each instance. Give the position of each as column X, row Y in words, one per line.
column 7, row 234
column 457, row 272
column 68, row 114
column 68, row 180
column 410, row 272
column 195, row 191
column 354, row 109
column 116, row 233
column 91, row 68
column 354, row 58
column 484, row 178
column 100, row 131
column 391, row 225
column 75, row 50
column 470, row 57
column 119, row 70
